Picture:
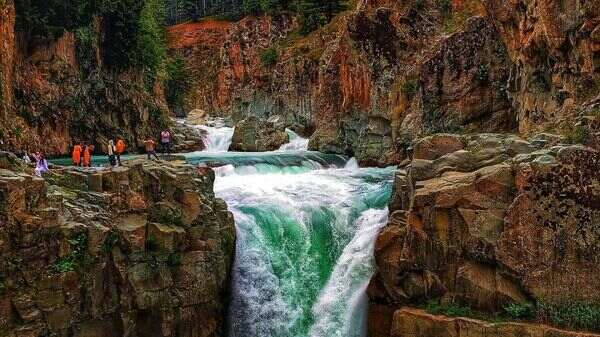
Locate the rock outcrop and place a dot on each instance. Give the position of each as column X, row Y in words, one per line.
column 416, row 323
column 55, row 92
column 388, row 71
column 140, row 250
column 255, row 135
column 486, row 221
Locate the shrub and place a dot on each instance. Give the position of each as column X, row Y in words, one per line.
column 269, row 57
column 174, row 260
column 523, row 310
column 577, row 134
column 445, row 6
column 435, row 307
column 111, row 240
column 482, row 75
column 419, row 5
column 151, row 244
column 409, row 88
column 77, row 257
column 570, row 314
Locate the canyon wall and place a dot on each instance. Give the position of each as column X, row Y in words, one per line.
column 141, row 250
column 55, row 92
column 487, row 221
column 385, row 72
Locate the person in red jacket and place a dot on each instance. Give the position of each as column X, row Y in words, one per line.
column 119, row 149
column 77, row 152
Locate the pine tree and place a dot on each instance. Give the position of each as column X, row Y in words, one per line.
column 315, row 13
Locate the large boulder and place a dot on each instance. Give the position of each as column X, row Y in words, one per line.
column 255, row 135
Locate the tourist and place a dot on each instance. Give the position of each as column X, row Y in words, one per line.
column 77, row 153
column 41, row 165
column 111, row 153
column 120, row 149
column 87, row 155
column 150, row 146
column 26, row 158
column 165, row 141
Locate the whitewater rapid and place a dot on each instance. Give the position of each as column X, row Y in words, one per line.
column 306, row 226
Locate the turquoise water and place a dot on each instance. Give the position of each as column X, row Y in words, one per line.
column 305, row 245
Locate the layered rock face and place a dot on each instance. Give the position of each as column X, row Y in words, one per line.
column 140, row 250
column 488, row 220
column 554, row 47
column 255, row 135
column 387, row 71
column 57, row 92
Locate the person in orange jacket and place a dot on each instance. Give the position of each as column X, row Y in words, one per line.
column 119, row 149
column 87, row 155
column 77, row 151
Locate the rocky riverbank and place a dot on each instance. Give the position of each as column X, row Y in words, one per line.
column 486, row 222
column 139, row 250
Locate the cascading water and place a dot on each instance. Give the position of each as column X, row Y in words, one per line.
column 217, row 136
column 306, row 226
column 296, row 143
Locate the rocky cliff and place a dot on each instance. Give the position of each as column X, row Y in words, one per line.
column 57, row 91
column 387, row 71
column 141, row 250
column 490, row 222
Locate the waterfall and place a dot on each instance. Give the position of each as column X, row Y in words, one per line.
column 217, row 136
column 306, row 227
column 305, row 242
column 296, row 143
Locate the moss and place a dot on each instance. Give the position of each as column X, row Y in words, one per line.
column 577, row 134
column 269, row 57
column 77, row 258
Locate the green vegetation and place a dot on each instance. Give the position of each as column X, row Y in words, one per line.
column 570, row 314
column 151, row 244
column 77, row 257
column 435, row 307
column 177, row 83
column 410, row 88
column 174, row 260
column 313, row 13
column 112, row 238
column 269, row 57
column 519, row 311
column 577, row 134
column 445, row 6
column 132, row 30
column 574, row 315
column 482, row 75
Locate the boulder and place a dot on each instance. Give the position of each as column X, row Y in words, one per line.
column 255, row 135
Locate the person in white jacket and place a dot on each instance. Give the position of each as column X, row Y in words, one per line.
column 111, row 153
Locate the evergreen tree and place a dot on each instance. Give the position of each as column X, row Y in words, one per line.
column 315, row 13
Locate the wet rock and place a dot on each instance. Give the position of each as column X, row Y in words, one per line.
column 255, row 135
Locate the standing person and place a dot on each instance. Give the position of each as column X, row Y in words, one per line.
column 26, row 158
column 120, row 149
column 41, row 165
column 150, row 146
column 165, row 141
column 111, row 153
column 77, row 152
column 87, row 156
